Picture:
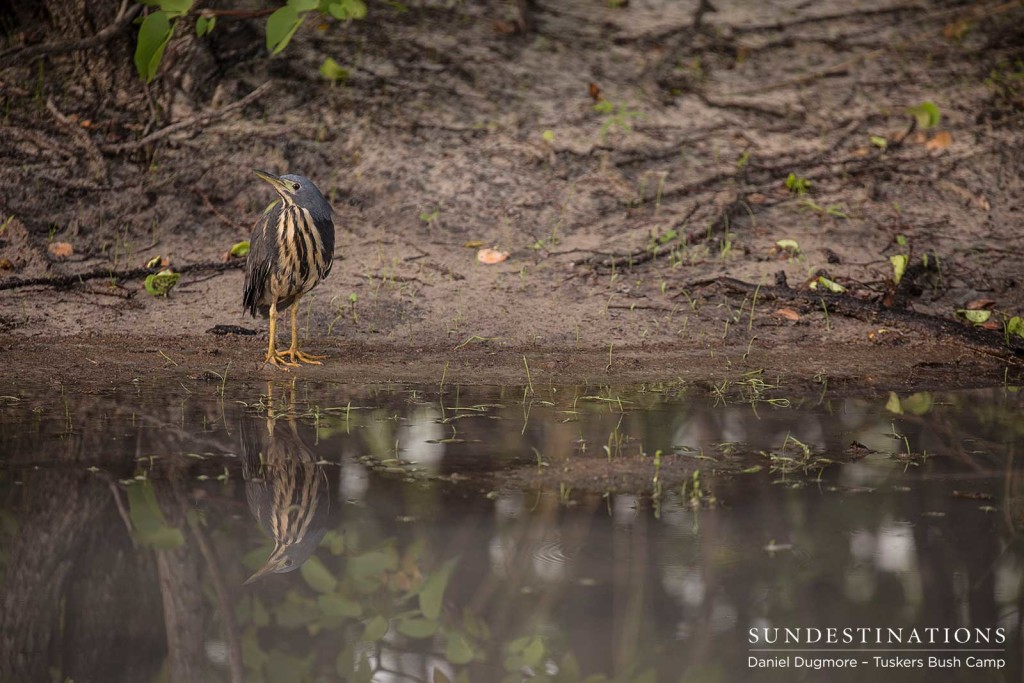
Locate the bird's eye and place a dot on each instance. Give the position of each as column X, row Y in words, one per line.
column 288, row 562
column 295, row 187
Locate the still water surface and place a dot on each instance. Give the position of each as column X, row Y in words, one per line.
column 498, row 534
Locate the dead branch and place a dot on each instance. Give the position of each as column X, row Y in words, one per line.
column 198, row 120
column 988, row 342
column 63, row 281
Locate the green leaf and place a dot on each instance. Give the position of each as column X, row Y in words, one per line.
column 204, row 25
column 372, row 564
column 927, row 114
column 1015, row 326
column 893, row 404
column 176, row 8
column 240, row 249
column 333, row 71
column 788, row 245
column 281, row 26
column 433, row 590
column 336, row 606
column 975, row 317
column 549, row 136
column 159, row 284
column 303, row 5
column 458, row 650
column 148, row 522
column 533, row 653
column 878, row 141
column 417, row 628
column 918, row 404
column 375, row 629
column 347, row 9
column 154, row 34
column 604, row 107
column 828, row 284
column 899, row 266
column 317, row 576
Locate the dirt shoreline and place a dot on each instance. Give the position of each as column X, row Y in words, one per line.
column 630, row 160
column 100, row 362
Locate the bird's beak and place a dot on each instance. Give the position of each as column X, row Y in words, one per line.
column 268, row 568
column 274, row 180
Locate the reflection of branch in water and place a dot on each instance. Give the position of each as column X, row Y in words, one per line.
column 286, row 491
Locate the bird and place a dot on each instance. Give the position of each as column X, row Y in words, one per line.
column 291, row 250
column 287, row 493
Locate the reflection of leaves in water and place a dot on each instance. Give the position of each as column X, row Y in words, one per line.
column 433, row 590
column 148, row 522
column 317, row 576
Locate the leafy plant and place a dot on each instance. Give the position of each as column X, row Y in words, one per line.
column 927, row 114
column 797, row 185
column 157, row 28
column 159, row 284
column 618, row 116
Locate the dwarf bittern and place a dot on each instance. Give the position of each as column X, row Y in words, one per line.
column 291, row 249
column 287, row 493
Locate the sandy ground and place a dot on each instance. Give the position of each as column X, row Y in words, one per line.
column 632, row 225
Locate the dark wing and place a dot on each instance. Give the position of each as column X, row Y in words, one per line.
column 261, row 261
column 257, row 489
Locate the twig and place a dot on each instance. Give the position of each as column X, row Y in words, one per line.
column 200, row 119
column 60, row 281
column 125, row 15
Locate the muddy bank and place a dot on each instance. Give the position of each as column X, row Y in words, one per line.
column 627, row 207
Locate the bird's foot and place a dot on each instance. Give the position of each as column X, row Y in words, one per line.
column 278, row 360
column 300, row 357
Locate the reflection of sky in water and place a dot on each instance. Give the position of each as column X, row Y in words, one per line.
column 619, row 583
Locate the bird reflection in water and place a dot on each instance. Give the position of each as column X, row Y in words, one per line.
column 286, row 490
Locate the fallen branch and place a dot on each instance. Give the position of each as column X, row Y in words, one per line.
column 63, row 281
column 200, row 119
column 988, row 342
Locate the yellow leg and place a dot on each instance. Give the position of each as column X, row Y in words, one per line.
column 273, row 357
column 293, row 350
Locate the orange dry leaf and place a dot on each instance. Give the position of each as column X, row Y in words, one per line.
column 980, row 304
column 491, row 256
column 60, row 250
column 595, row 92
column 756, row 198
column 940, row 141
column 787, row 313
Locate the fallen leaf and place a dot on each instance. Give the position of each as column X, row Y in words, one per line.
column 504, row 27
column 992, row 325
column 5, row 264
column 86, row 123
column 940, row 141
column 756, row 198
column 473, row 244
column 491, row 256
column 595, row 92
column 60, row 250
column 787, row 313
column 980, row 304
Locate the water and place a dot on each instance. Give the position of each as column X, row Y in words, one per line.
column 498, row 534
